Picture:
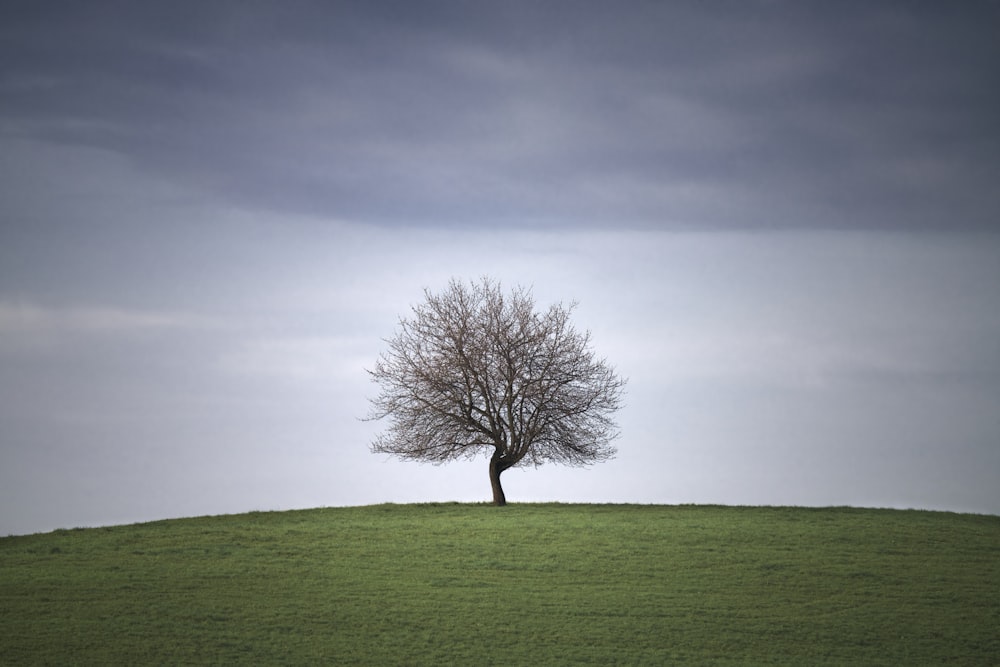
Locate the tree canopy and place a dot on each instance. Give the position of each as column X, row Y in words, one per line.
column 475, row 370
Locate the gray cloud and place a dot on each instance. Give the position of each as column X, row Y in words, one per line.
column 779, row 218
column 744, row 115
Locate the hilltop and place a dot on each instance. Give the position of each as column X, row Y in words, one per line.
column 526, row 584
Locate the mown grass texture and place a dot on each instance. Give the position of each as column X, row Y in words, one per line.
column 520, row 585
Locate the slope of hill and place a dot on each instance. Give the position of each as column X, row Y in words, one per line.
column 525, row 584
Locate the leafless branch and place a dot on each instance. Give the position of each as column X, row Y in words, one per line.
column 476, row 369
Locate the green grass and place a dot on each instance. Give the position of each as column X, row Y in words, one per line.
column 521, row 585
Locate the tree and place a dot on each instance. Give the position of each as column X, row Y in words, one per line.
column 475, row 369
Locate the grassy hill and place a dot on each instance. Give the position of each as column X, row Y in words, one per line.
column 522, row 585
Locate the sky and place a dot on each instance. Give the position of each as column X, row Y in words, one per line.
column 780, row 220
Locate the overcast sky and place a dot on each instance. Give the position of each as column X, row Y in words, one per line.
column 781, row 221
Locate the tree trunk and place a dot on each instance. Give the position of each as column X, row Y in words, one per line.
column 496, row 467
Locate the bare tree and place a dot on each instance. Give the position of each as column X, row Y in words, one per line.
column 477, row 370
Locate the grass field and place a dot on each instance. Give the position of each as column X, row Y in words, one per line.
column 521, row 585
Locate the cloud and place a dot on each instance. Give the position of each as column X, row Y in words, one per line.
column 792, row 367
column 35, row 324
column 301, row 358
column 645, row 115
column 211, row 214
